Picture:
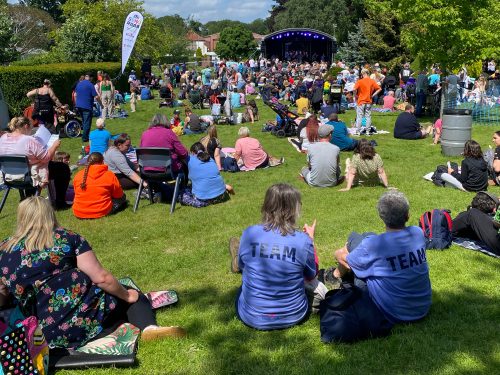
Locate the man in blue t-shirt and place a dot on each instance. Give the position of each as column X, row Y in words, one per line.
column 391, row 269
column 85, row 94
column 340, row 136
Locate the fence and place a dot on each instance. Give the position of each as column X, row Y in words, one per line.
column 484, row 102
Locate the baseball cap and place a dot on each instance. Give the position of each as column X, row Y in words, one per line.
column 493, row 197
column 177, row 112
column 324, row 131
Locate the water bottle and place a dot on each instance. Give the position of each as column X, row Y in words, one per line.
column 82, row 153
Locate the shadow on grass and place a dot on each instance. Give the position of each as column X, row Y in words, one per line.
column 460, row 335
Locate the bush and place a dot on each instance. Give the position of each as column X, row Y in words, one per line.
column 16, row 81
column 333, row 72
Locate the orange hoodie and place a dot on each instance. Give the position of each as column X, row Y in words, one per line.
column 95, row 201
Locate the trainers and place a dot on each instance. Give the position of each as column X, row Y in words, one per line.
column 330, row 280
column 156, row 333
column 234, row 245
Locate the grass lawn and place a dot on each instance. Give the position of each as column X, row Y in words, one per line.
column 188, row 252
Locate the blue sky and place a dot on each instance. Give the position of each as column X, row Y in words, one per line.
column 209, row 10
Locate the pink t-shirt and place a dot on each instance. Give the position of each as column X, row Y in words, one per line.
column 389, row 102
column 38, row 157
column 251, row 152
column 438, row 124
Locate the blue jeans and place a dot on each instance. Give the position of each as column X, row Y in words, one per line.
column 420, row 103
column 86, row 115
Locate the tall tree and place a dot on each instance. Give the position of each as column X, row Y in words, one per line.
column 235, row 43
column 8, row 52
column 276, row 9
column 31, row 29
column 259, row 26
column 333, row 18
column 382, row 30
column 52, row 7
column 449, row 32
column 213, row 27
column 174, row 28
column 353, row 50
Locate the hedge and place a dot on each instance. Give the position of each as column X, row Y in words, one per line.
column 16, row 81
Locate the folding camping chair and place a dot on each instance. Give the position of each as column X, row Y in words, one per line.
column 156, row 157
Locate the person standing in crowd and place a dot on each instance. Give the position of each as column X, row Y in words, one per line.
column 45, row 99
column 421, row 91
column 106, row 92
column 85, row 94
column 365, row 88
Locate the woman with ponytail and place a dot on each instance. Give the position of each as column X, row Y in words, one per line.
column 97, row 190
column 208, row 187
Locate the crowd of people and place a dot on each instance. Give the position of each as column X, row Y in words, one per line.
column 390, row 269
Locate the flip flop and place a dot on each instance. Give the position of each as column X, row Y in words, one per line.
column 162, row 298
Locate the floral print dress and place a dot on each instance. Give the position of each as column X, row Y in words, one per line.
column 69, row 307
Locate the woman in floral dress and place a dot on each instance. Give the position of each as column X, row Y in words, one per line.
column 55, row 273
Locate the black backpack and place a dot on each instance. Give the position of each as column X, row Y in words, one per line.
column 437, row 228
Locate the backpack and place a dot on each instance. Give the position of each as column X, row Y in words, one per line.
column 436, row 225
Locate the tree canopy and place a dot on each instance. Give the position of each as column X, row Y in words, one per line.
column 235, row 43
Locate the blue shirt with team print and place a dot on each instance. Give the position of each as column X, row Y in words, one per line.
column 394, row 266
column 273, row 271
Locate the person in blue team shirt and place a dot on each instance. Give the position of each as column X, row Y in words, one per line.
column 390, row 268
column 278, row 263
column 85, row 94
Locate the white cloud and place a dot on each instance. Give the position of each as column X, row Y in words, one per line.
column 211, row 10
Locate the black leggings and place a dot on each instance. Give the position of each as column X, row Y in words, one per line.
column 140, row 314
column 477, row 225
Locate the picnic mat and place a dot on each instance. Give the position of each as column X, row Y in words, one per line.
column 474, row 245
column 117, row 349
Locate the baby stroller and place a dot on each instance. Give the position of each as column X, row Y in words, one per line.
column 336, row 97
column 285, row 124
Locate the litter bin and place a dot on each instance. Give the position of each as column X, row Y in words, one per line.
column 4, row 112
column 457, row 129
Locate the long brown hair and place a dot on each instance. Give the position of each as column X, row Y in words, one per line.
column 472, row 149
column 94, row 158
column 312, row 129
column 281, row 209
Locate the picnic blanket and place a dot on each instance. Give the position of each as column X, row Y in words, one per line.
column 474, row 245
column 352, row 131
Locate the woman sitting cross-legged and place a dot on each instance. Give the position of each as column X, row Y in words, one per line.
column 472, row 176
column 55, row 272
column 208, row 187
column 366, row 167
column 250, row 151
column 278, row 265
column 97, row 190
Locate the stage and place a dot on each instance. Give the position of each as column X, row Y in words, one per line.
column 299, row 45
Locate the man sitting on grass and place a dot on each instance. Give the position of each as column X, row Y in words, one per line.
column 407, row 126
column 340, row 135
column 323, row 161
column 391, row 270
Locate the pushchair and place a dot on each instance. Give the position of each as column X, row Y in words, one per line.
column 336, row 97
column 285, row 124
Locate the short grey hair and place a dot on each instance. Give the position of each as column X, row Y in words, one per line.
column 243, row 132
column 393, row 208
column 159, row 119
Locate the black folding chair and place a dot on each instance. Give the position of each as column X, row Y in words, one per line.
column 16, row 174
column 156, row 157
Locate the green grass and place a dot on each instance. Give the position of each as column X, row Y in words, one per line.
column 188, row 252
